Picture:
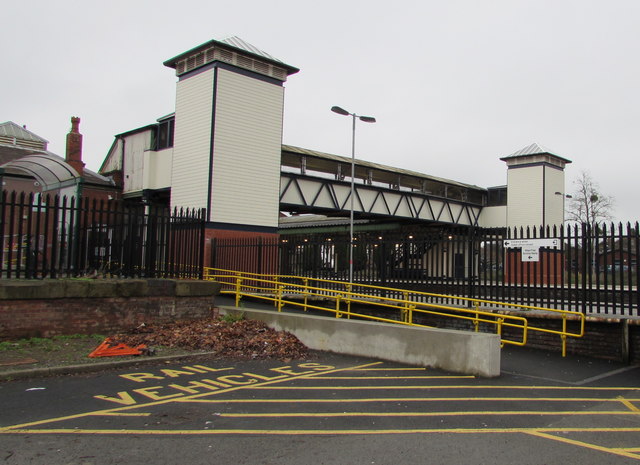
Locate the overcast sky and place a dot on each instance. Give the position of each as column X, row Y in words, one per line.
column 454, row 85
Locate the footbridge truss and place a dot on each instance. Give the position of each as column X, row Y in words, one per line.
column 316, row 182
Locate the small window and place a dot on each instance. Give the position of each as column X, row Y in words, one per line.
column 497, row 196
column 165, row 134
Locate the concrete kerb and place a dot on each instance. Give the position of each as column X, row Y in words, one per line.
column 450, row 350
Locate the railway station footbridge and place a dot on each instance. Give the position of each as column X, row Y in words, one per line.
column 316, row 182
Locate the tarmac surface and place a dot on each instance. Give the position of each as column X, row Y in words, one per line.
column 331, row 409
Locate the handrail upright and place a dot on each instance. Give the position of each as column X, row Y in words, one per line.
column 238, row 289
column 306, row 293
column 279, row 303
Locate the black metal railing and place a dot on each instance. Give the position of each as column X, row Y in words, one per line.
column 52, row 237
column 592, row 269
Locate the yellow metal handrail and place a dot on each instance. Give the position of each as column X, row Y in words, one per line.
column 271, row 287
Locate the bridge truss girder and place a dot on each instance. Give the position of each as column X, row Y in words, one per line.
column 307, row 194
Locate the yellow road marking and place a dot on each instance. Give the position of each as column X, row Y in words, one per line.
column 421, row 414
column 587, row 445
column 627, row 403
column 392, row 369
column 393, row 377
column 404, row 399
column 123, row 414
column 7, row 429
column 532, row 388
column 301, row 432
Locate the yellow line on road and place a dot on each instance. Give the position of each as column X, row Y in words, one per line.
column 587, row 445
column 529, row 388
column 627, row 403
column 300, row 432
column 392, row 369
column 403, row 399
column 422, row 414
column 390, row 377
column 122, row 414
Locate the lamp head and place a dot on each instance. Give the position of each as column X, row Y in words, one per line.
column 340, row 111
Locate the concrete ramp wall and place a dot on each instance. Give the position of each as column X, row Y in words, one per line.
column 451, row 350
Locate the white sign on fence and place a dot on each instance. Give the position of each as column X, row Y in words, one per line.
column 531, row 247
column 531, row 243
column 530, row 254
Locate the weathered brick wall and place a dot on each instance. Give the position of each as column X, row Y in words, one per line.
column 99, row 307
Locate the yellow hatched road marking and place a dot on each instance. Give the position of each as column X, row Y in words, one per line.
column 587, row 445
column 421, row 414
column 8, row 429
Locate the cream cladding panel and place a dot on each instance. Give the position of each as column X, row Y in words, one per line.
column 192, row 141
column 157, row 169
column 554, row 203
column 247, row 151
column 525, row 196
column 493, row 217
column 135, row 147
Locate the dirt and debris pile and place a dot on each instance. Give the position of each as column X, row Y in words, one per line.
column 242, row 339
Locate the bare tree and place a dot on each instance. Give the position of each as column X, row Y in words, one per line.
column 588, row 204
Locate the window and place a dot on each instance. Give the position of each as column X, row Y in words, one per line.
column 165, row 134
column 497, row 196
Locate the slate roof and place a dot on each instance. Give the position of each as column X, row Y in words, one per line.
column 534, row 149
column 236, row 43
column 11, row 130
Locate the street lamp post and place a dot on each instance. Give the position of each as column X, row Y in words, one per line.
column 366, row 119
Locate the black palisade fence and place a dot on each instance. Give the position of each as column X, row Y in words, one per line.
column 588, row 268
column 52, row 237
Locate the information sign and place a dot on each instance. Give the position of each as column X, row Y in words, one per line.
column 531, row 243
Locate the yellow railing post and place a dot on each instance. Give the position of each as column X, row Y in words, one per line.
column 564, row 335
column 499, row 327
column 306, row 292
column 476, row 320
column 279, row 297
column 404, row 312
column 348, row 300
column 238, row 289
column 276, row 284
column 338, row 314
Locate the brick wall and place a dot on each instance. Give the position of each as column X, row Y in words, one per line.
column 28, row 310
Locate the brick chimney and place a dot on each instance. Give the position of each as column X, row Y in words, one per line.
column 74, row 146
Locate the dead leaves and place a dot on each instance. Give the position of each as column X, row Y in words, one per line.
column 243, row 339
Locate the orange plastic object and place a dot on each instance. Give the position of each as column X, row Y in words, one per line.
column 108, row 349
